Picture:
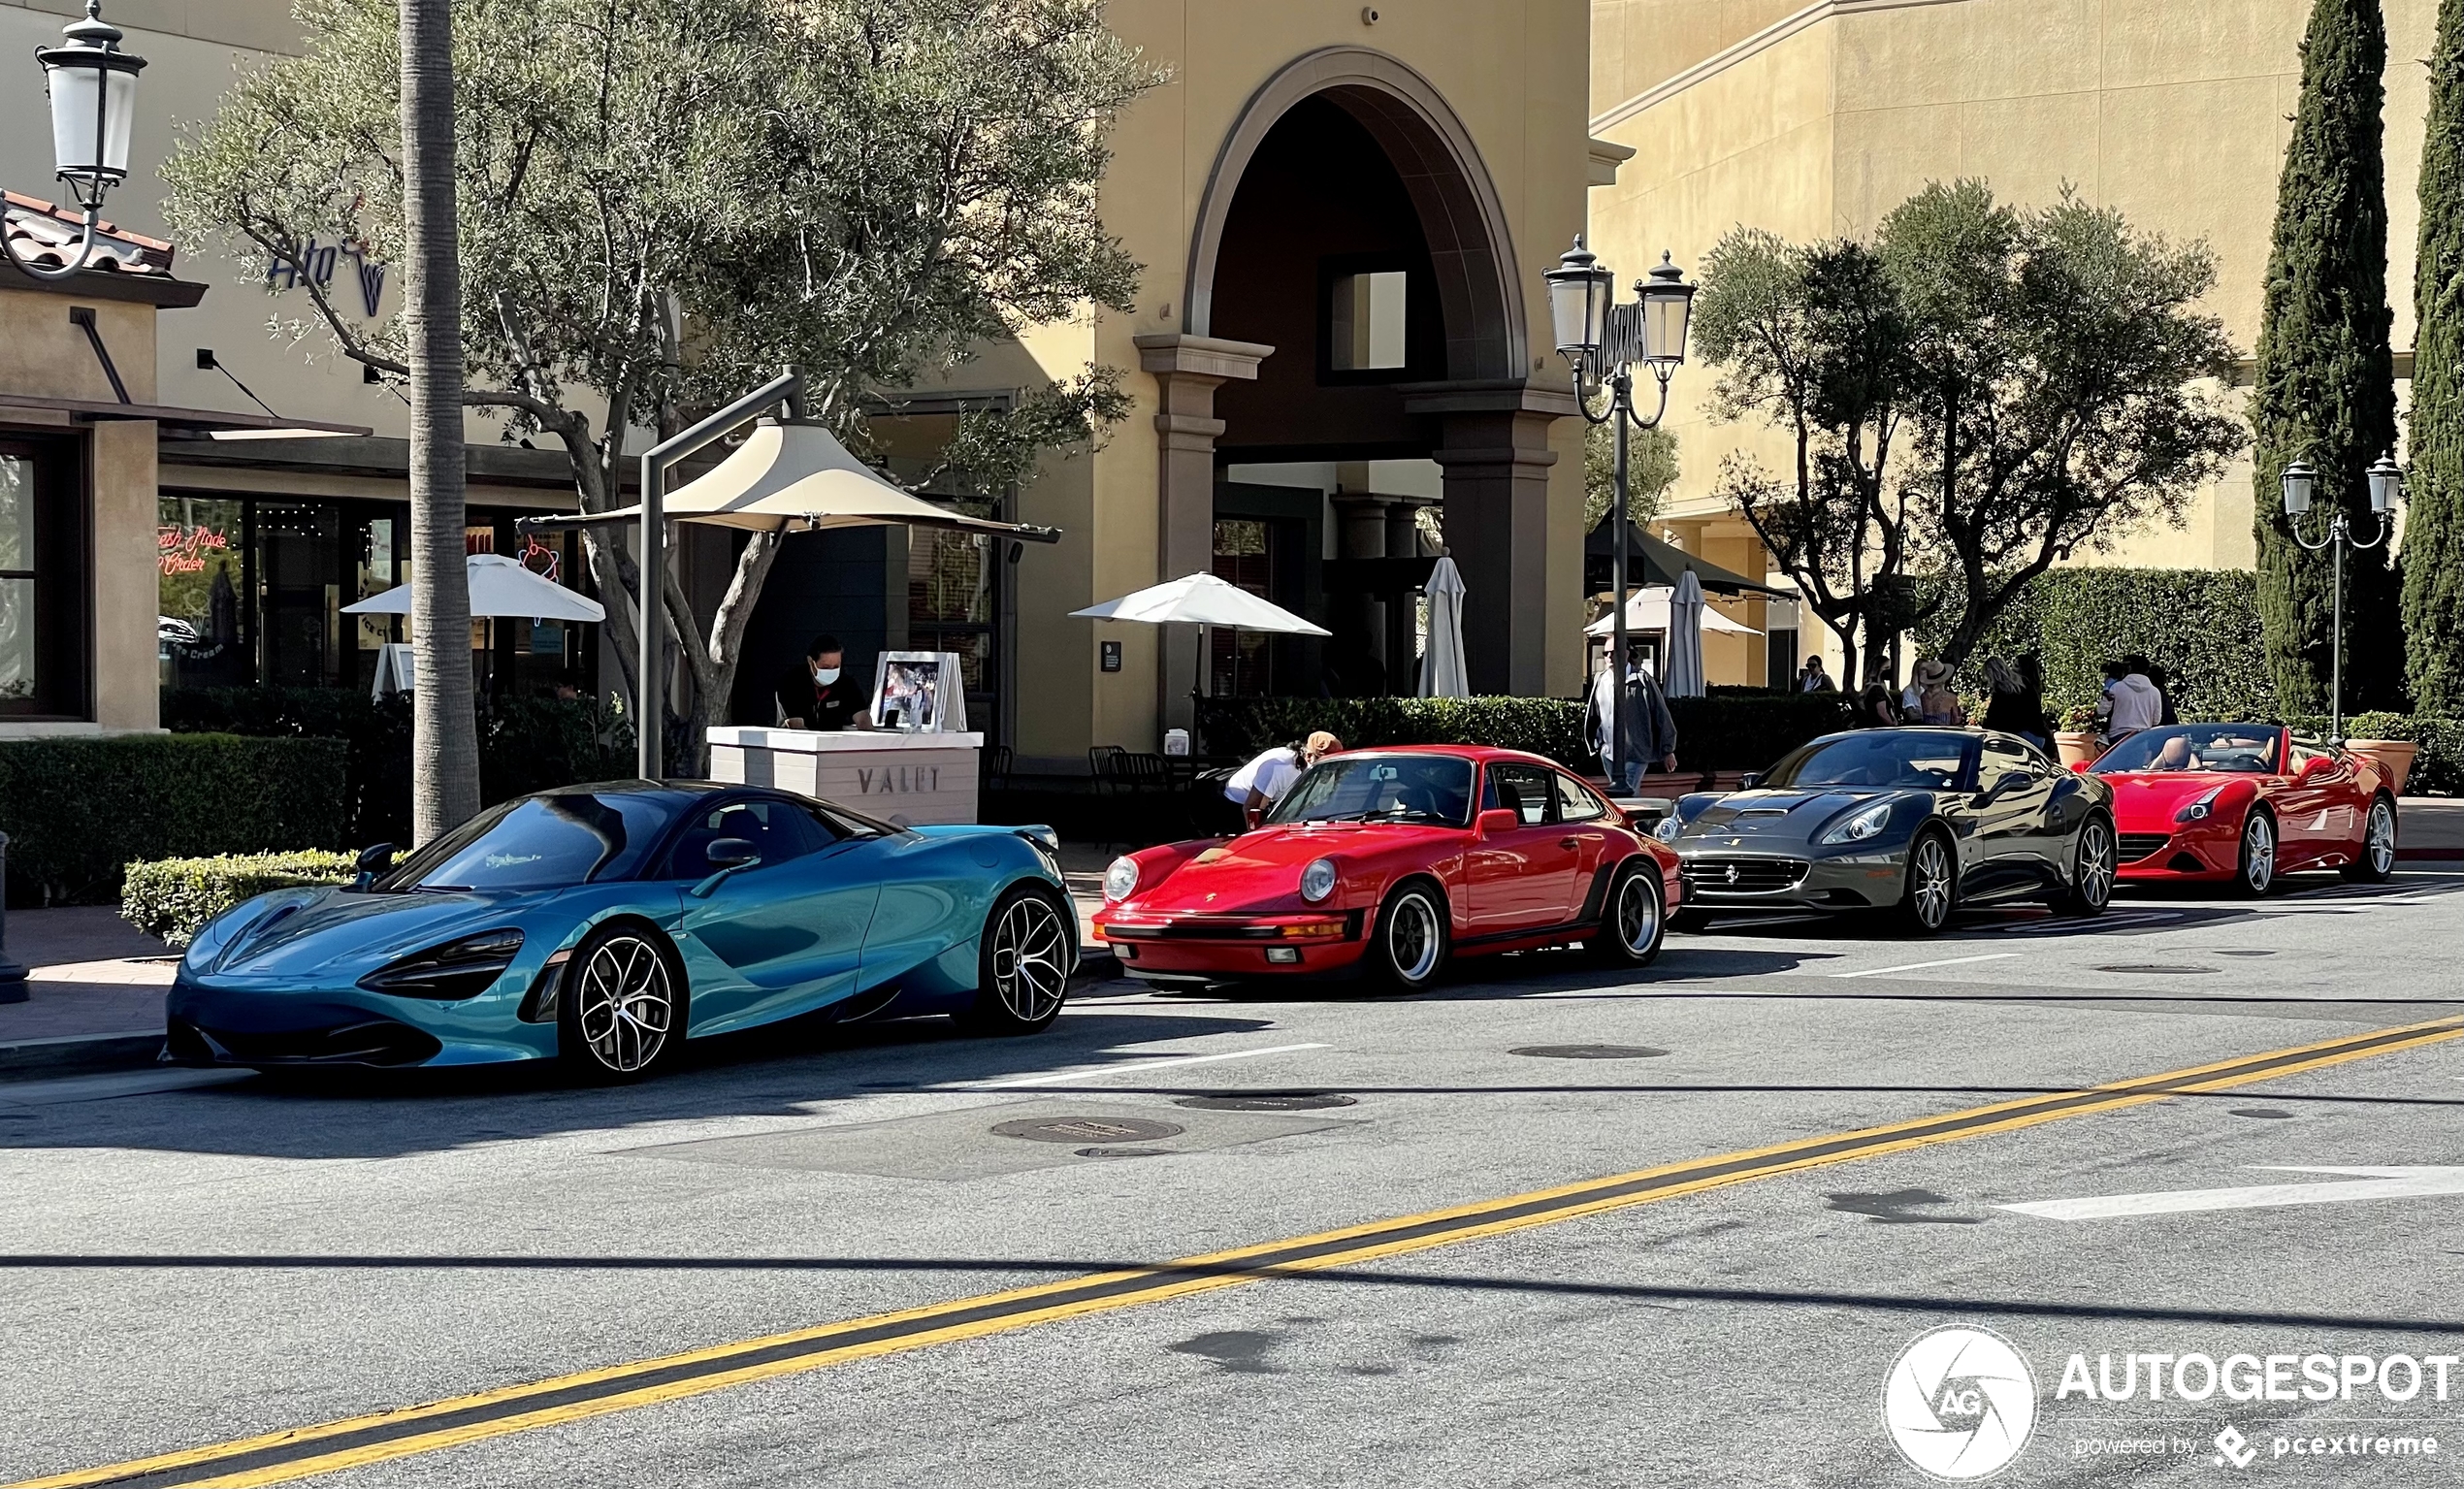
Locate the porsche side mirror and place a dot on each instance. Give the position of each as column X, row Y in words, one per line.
column 725, row 856
column 1497, row 819
column 373, row 860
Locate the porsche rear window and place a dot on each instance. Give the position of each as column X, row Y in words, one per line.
column 1382, row 788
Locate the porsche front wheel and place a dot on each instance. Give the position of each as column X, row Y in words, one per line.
column 1410, row 945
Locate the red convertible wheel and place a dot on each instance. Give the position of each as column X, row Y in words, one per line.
column 2376, row 863
column 2255, row 872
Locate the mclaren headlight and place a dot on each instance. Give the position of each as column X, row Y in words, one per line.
column 1317, row 881
column 2201, row 809
column 1121, row 881
column 1860, row 826
column 458, row 969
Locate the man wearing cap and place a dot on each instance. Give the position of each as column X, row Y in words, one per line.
column 1262, row 782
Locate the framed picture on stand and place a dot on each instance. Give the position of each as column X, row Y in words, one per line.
column 918, row 693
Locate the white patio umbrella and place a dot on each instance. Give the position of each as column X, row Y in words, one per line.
column 1443, row 674
column 499, row 586
column 1648, row 609
column 1685, row 638
column 1202, row 599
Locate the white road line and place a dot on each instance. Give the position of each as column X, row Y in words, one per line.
column 1919, row 966
column 2374, row 1184
column 1054, row 1078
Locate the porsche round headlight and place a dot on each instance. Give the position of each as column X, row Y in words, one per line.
column 1317, row 881
column 1121, row 881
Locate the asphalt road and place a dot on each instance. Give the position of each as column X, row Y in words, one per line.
column 193, row 1260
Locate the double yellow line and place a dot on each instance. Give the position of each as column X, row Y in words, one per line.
column 378, row 1437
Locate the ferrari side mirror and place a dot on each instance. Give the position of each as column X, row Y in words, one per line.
column 1497, row 819
column 2078, row 767
column 1752, row 780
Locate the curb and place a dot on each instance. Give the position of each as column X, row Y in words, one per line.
column 69, row 1053
column 2429, row 855
column 1094, row 966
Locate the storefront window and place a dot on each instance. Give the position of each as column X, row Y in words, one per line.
column 43, row 584
column 198, row 549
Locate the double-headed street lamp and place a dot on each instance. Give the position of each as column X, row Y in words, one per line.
column 2386, row 489
column 1602, row 340
column 93, row 89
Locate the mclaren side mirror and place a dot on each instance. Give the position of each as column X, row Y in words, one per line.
column 373, row 860
column 1497, row 819
column 725, row 856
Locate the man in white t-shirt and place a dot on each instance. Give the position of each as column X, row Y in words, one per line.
column 1262, row 782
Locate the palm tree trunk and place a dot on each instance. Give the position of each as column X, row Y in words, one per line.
column 444, row 750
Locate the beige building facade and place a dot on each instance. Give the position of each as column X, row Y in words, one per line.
column 1814, row 121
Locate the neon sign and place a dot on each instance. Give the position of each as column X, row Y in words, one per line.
column 186, row 550
column 532, row 549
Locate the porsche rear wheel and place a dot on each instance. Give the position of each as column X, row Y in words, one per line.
column 1022, row 963
column 2092, row 870
column 2376, row 863
column 2254, row 871
column 1412, row 939
column 1932, row 889
column 1633, row 922
column 621, row 1014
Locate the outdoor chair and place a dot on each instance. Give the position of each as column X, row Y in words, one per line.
column 1099, row 764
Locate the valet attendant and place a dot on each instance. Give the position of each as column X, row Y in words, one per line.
column 819, row 695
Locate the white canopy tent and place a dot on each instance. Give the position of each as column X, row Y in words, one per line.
column 1202, row 599
column 1648, row 609
column 1443, row 674
column 499, row 587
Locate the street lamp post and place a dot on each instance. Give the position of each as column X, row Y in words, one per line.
column 1602, row 340
column 2386, row 489
column 93, row 89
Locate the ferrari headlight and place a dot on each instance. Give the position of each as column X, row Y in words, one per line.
column 1866, row 824
column 2201, row 809
column 1317, row 881
column 1667, row 827
column 1121, row 881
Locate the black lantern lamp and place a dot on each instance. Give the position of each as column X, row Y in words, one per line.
column 93, row 89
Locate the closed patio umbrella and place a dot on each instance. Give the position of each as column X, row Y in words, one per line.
column 1685, row 638
column 1443, row 674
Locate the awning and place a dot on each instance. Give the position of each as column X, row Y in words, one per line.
column 211, row 420
column 1651, row 562
column 794, row 478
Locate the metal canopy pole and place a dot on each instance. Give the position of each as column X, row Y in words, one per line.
column 650, row 706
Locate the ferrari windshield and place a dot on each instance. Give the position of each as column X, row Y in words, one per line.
column 1912, row 760
column 539, row 843
column 2229, row 749
column 1382, row 788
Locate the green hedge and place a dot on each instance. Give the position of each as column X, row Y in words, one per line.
column 174, row 898
column 2200, row 624
column 77, row 810
column 2437, row 770
column 1739, row 730
column 525, row 744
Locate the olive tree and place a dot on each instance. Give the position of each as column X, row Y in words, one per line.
column 660, row 202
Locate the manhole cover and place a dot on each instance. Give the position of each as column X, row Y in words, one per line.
column 1123, row 1153
column 1089, row 1129
column 2165, row 968
column 2269, row 1113
column 1590, row 1051
column 1265, row 1101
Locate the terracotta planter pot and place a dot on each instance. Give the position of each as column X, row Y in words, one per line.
column 2075, row 749
column 2392, row 756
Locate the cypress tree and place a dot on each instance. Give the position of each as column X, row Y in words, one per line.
column 2326, row 381
column 2434, row 524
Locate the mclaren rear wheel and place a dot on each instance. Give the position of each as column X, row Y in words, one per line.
column 619, row 1015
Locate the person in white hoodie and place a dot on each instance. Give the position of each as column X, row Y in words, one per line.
column 2131, row 704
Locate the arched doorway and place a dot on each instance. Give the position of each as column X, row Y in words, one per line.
column 1353, row 302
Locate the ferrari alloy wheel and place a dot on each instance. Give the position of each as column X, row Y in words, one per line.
column 2376, row 863
column 1933, row 886
column 622, row 1010
column 1411, row 937
column 2092, row 870
column 1631, row 925
column 1023, row 964
column 2256, row 874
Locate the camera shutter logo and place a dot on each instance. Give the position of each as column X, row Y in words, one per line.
column 1960, row 1403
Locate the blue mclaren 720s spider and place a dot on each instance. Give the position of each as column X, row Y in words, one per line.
column 603, row 925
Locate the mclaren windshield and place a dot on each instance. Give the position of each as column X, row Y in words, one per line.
column 1382, row 788
column 540, row 843
column 1880, row 759
column 2227, row 749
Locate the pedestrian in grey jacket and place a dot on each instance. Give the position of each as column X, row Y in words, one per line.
column 1651, row 733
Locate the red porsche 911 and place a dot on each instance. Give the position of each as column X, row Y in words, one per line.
column 1389, row 862
column 2245, row 803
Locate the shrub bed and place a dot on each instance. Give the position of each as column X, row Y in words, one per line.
column 77, row 810
column 1730, row 729
column 174, row 898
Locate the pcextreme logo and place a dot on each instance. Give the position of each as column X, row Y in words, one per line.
column 1960, row 1403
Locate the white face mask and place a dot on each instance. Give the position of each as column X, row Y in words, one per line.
column 826, row 675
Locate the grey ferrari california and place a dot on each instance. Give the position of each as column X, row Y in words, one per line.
column 1916, row 820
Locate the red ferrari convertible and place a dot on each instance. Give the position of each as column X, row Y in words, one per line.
column 2245, row 803
column 1389, row 862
